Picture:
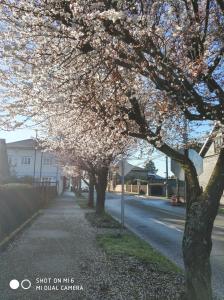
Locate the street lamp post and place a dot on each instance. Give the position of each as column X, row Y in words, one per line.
column 41, row 165
column 34, row 168
column 35, row 158
column 185, row 140
column 167, row 176
column 122, row 192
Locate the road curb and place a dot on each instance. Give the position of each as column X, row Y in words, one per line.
column 142, row 196
column 141, row 236
column 4, row 243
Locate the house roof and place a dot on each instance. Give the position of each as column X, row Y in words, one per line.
column 23, row 144
column 136, row 168
column 155, row 176
column 209, row 141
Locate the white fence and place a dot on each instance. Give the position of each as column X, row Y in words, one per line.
column 152, row 189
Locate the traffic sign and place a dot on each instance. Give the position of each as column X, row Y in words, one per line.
column 127, row 168
column 197, row 160
column 177, row 170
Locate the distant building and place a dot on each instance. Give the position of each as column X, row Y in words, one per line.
column 4, row 166
column 138, row 180
column 26, row 159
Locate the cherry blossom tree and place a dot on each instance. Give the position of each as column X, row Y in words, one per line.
column 83, row 147
column 75, row 168
column 143, row 67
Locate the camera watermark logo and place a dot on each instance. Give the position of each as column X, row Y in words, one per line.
column 47, row 284
column 14, row 284
column 25, row 284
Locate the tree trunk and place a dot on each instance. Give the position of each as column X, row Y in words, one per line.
column 91, row 192
column 201, row 211
column 202, row 208
column 197, row 245
column 101, row 185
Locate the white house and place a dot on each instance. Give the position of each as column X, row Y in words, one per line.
column 27, row 159
column 209, row 152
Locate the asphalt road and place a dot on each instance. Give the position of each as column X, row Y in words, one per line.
column 162, row 225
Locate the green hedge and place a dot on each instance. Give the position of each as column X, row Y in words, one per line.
column 18, row 202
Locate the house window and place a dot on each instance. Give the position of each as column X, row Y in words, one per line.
column 26, row 160
column 48, row 161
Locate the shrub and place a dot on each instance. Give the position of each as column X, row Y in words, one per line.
column 18, row 202
column 141, row 192
column 24, row 179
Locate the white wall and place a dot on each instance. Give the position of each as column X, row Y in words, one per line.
column 48, row 168
column 208, row 166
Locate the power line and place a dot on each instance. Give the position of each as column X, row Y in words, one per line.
column 145, row 159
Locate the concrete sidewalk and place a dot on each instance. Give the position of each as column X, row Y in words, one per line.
column 57, row 258
column 57, row 255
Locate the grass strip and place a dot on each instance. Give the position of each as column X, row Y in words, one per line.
column 221, row 210
column 130, row 245
column 103, row 220
column 82, row 201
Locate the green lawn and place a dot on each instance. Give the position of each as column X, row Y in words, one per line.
column 103, row 220
column 82, row 201
column 221, row 210
column 130, row 245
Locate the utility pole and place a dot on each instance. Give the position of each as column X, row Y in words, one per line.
column 41, row 165
column 35, row 157
column 57, row 180
column 122, row 191
column 177, row 188
column 185, row 140
column 167, row 176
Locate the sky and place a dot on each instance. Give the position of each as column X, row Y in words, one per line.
column 17, row 135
